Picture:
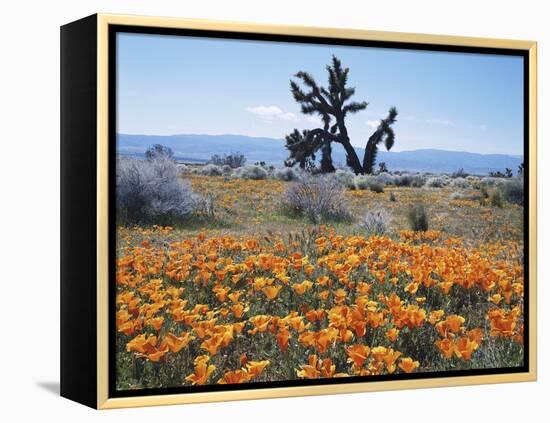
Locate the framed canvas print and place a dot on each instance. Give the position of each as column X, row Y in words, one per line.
column 253, row 211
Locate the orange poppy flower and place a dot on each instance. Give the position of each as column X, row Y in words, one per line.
column 272, row 291
column 392, row 334
column 236, row 376
column 301, row 288
column 357, row 354
column 202, row 371
column 175, row 343
column 408, row 365
column 255, row 368
column 283, row 337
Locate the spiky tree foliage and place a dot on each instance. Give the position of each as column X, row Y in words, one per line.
column 383, row 133
column 332, row 105
column 303, row 146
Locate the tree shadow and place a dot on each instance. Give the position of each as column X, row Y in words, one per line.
column 51, row 387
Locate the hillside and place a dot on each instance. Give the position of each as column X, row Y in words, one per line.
column 195, row 148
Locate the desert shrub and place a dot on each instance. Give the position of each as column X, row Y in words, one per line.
column 362, row 182
column 226, row 170
column 374, row 222
column 287, row 174
column 316, row 198
column 251, row 172
column 496, row 198
column 491, row 181
column 344, row 177
column 403, row 180
column 512, row 190
column 233, row 160
column 436, row 182
column 151, row 191
column 418, row 181
column 456, row 196
column 460, row 173
column 376, row 186
column 194, row 170
column 385, row 178
column 182, row 168
column 211, row 170
column 417, row 217
column 392, row 197
column 406, row 180
column 462, row 183
column 159, row 150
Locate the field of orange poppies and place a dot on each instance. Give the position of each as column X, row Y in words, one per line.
column 258, row 297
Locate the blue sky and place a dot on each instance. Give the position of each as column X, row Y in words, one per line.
column 185, row 85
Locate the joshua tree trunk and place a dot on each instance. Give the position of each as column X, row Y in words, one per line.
column 351, row 156
column 326, row 158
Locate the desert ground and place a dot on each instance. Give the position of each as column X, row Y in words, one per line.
column 404, row 274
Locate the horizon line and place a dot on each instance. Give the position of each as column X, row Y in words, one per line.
column 282, row 139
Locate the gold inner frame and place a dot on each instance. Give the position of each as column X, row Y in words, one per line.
column 103, row 401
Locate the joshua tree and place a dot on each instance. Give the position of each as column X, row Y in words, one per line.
column 384, row 133
column 332, row 105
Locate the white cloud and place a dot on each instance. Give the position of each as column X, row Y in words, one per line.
column 289, row 116
column 445, row 122
column 373, row 123
column 270, row 113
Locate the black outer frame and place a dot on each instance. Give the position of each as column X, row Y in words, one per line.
column 79, row 211
column 79, row 203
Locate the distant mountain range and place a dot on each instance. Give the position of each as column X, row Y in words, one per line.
column 191, row 148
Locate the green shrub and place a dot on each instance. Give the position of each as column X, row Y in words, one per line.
column 417, row 217
column 496, row 199
column 512, row 191
column 376, row 186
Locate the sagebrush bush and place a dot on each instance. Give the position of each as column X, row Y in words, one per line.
column 182, row 168
column 406, row 180
column 512, row 190
column 211, row 170
column 251, row 172
column 457, row 196
column 233, row 160
column 376, row 186
column 226, row 170
column 385, row 178
column 287, row 174
column 417, row 217
column 374, row 222
column 317, row 198
column 374, row 183
column 496, row 199
column 344, row 177
column 361, row 182
column 491, row 181
column 436, row 182
column 462, row 183
column 151, row 191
